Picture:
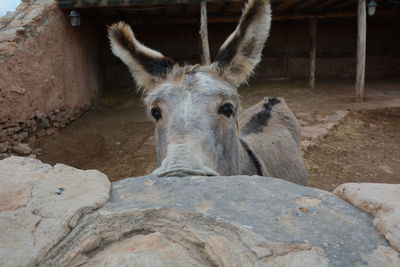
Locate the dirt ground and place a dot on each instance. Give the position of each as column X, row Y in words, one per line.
column 112, row 139
column 364, row 148
column 116, row 138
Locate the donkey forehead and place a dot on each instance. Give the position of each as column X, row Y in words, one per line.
column 200, row 84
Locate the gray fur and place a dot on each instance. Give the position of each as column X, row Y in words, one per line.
column 278, row 145
column 192, row 137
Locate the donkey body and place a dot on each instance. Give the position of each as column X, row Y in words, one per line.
column 270, row 136
column 199, row 126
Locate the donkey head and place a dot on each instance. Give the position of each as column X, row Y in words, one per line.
column 195, row 108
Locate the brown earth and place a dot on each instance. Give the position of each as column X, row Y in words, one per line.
column 116, row 138
column 113, row 139
column 364, row 148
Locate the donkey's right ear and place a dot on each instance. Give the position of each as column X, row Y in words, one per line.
column 147, row 66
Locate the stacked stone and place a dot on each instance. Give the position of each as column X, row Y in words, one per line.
column 19, row 137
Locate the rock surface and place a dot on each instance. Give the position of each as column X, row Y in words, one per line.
column 39, row 204
column 381, row 201
column 315, row 127
column 223, row 221
column 54, row 216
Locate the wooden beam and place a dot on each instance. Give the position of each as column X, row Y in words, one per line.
column 361, row 50
column 306, row 4
column 326, row 3
column 183, row 9
column 313, row 51
column 69, row 4
column 205, row 55
column 155, row 20
column 346, row 3
column 284, row 5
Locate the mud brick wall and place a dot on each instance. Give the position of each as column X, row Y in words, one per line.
column 50, row 72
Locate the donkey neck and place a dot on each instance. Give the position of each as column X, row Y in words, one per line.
column 250, row 164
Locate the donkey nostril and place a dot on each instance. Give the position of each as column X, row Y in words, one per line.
column 156, row 113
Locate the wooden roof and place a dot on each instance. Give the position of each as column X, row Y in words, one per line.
column 188, row 11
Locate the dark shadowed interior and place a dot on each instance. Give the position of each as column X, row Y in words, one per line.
column 173, row 29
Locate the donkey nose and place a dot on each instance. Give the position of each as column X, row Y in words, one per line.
column 184, row 160
column 180, row 172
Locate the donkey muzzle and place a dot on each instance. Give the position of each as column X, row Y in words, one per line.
column 180, row 172
column 184, row 160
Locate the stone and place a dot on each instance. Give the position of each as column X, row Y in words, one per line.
column 51, row 131
column 17, row 90
column 32, row 124
column 38, row 151
column 12, row 130
column 11, row 123
column 317, row 131
column 39, row 114
column 380, row 200
column 20, row 136
column 386, row 168
column 62, row 216
column 54, row 118
column 3, row 135
column 21, row 149
column 10, row 34
column 34, row 215
column 4, row 147
column 7, row 48
column 31, row 139
column 4, row 155
column 316, row 127
column 45, row 123
column 41, row 133
column 222, row 221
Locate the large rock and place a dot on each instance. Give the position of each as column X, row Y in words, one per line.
column 54, row 216
column 222, row 221
column 380, row 200
column 39, row 204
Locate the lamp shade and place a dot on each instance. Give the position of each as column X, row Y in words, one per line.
column 75, row 18
column 372, row 7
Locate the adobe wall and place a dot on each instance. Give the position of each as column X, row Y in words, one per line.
column 49, row 73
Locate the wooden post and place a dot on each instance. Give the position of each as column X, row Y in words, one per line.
column 361, row 49
column 205, row 56
column 313, row 51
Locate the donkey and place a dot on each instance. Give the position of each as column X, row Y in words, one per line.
column 199, row 126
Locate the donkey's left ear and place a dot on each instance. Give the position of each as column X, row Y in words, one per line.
column 147, row 66
column 242, row 51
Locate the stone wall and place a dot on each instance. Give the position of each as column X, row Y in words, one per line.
column 46, row 68
column 17, row 136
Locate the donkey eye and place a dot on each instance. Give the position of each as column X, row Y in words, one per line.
column 226, row 110
column 156, row 113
